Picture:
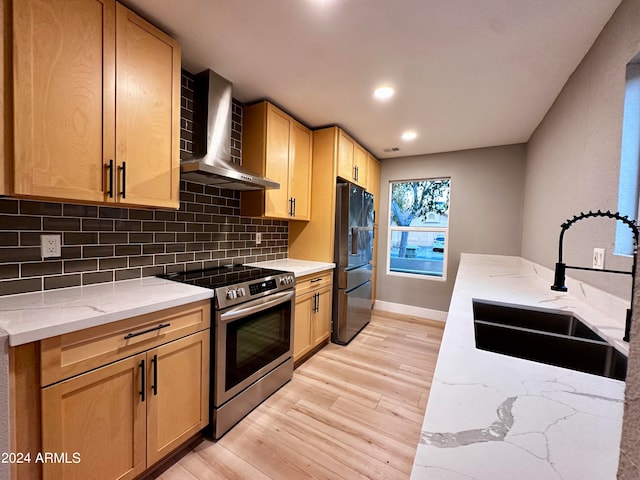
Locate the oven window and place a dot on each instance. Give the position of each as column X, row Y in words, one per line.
column 255, row 341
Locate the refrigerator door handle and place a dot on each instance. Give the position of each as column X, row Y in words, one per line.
column 354, row 241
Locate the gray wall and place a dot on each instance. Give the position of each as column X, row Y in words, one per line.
column 572, row 166
column 573, row 158
column 485, row 214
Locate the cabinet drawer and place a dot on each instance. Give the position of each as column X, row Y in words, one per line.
column 73, row 353
column 314, row 281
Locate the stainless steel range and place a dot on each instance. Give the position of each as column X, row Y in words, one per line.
column 251, row 338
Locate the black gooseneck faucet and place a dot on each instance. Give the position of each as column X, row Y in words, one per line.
column 558, row 282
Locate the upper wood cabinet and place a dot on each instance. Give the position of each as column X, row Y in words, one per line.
column 278, row 147
column 331, row 146
column 373, row 182
column 352, row 160
column 147, row 113
column 96, row 105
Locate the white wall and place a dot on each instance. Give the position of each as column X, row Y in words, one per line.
column 485, row 215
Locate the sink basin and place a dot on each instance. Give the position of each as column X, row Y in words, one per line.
column 548, row 336
column 542, row 319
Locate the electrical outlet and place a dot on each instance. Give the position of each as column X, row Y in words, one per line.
column 598, row 258
column 258, row 238
column 50, row 246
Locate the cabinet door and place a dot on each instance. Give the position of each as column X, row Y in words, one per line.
column 101, row 416
column 373, row 182
column 360, row 165
column 64, row 80
column 345, row 156
column 300, row 170
column 322, row 317
column 302, row 331
column 178, row 393
column 147, row 113
column 277, row 163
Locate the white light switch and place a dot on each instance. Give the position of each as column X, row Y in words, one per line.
column 258, row 238
column 598, row 258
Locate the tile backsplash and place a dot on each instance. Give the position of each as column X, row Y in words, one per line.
column 104, row 243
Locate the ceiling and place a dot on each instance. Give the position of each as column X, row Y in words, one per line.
column 467, row 73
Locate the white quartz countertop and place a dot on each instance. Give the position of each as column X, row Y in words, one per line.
column 33, row 316
column 298, row 267
column 496, row 417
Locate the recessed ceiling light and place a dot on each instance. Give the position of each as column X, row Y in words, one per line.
column 383, row 93
column 409, row 135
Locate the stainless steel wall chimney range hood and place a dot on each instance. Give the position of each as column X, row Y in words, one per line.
column 211, row 163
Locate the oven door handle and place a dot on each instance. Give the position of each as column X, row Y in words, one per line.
column 256, row 306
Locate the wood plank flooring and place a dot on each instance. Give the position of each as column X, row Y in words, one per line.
column 349, row 412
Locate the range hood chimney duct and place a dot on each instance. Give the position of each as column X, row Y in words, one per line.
column 211, row 163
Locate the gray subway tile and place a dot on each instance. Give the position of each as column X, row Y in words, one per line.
column 40, row 269
column 62, row 281
column 96, row 277
column 13, row 222
column 72, row 266
column 11, row 287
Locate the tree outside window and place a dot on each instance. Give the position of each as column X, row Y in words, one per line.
column 418, row 227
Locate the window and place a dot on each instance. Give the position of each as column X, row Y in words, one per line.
column 629, row 158
column 419, row 228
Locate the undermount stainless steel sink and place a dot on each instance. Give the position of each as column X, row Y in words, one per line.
column 554, row 337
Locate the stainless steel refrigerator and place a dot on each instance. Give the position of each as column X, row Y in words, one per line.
column 353, row 252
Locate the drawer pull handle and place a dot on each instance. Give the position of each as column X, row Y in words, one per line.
column 143, row 382
column 316, row 280
column 152, row 329
column 154, row 386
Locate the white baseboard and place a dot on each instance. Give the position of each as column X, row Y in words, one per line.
column 411, row 310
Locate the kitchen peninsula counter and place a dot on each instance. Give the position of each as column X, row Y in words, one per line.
column 495, row 417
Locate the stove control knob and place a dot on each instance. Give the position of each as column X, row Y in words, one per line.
column 231, row 294
column 240, row 292
column 290, row 279
column 283, row 280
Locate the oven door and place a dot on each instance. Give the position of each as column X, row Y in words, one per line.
column 251, row 340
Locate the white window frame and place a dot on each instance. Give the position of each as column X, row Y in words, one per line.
column 445, row 230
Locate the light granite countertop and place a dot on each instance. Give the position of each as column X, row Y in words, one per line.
column 496, row 417
column 298, row 267
column 29, row 317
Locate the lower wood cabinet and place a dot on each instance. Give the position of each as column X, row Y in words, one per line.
column 143, row 392
column 312, row 313
column 99, row 419
column 122, row 418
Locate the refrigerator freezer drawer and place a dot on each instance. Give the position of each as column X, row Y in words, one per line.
column 349, row 278
column 352, row 312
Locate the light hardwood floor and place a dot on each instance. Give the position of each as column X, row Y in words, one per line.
column 349, row 412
